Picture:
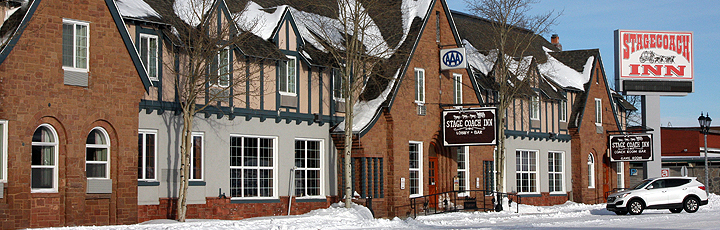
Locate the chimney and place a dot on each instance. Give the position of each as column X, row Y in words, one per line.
column 555, row 40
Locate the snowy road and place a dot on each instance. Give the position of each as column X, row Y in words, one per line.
column 566, row 216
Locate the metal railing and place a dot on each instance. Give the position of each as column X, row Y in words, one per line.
column 453, row 201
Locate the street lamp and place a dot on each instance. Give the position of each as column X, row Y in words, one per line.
column 704, row 128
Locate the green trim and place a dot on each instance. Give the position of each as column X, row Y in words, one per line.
column 128, row 43
column 147, row 183
column 18, row 32
column 303, row 200
column 259, row 201
column 196, row 183
column 530, row 195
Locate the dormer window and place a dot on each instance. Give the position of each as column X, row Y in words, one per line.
column 288, row 76
column 149, row 55
column 338, row 82
column 535, row 108
column 223, row 68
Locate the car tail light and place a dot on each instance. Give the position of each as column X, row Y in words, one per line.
column 702, row 187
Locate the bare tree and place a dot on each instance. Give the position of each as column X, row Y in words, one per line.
column 202, row 67
column 513, row 35
column 355, row 35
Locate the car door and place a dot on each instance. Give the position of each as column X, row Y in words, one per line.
column 676, row 190
column 655, row 193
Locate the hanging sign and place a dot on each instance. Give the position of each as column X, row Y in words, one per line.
column 469, row 127
column 634, row 147
column 453, row 59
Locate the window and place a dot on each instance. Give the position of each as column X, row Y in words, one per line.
column 555, row 171
column 147, row 143
column 287, row 76
column 252, row 162
column 598, row 112
column 457, row 88
column 97, row 158
column 526, row 170
column 338, row 82
column 75, row 45
column 3, row 150
column 197, row 156
column 223, row 68
column 307, row 161
column 419, row 85
column 462, row 168
column 620, row 170
column 415, row 154
column 535, row 108
column 149, row 54
column 591, row 170
column 563, row 110
column 44, row 159
column 489, row 176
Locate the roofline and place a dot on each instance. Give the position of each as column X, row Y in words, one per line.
column 398, row 80
column 18, row 31
column 609, row 92
column 125, row 34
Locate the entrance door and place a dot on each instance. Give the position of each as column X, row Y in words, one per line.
column 607, row 177
column 432, row 174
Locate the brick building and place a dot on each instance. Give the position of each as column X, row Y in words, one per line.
column 684, row 147
column 69, row 92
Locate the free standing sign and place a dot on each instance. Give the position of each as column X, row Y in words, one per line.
column 634, row 147
column 654, row 61
column 469, row 127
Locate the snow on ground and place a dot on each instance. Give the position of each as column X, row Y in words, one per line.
column 565, row 216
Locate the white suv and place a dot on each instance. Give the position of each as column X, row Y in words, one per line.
column 674, row 193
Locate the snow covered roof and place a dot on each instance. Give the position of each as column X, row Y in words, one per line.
column 565, row 76
column 136, row 9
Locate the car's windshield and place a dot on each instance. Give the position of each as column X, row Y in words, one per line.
column 641, row 184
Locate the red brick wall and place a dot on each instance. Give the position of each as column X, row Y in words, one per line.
column 34, row 94
column 390, row 135
column 545, row 199
column 586, row 140
column 222, row 208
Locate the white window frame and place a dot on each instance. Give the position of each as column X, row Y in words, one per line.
column 3, row 150
column 620, row 170
column 74, row 67
column 598, row 111
column 535, row 108
column 242, row 167
column 466, row 170
column 530, row 171
column 290, row 89
column 145, row 132
column 551, row 171
column 457, row 88
column 202, row 157
column 55, row 146
column 591, row 170
column 320, row 169
column 563, row 110
column 338, row 94
column 105, row 146
column 420, row 85
column 147, row 63
column 419, row 170
column 223, row 67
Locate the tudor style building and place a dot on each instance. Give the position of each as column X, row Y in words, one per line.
column 69, row 91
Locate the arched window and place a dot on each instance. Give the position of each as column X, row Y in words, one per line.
column 44, row 159
column 97, row 153
column 591, row 170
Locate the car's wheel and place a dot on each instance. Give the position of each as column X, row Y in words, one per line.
column 635, row 207
column 676, row 210
column 691, row 204
column 621, row 212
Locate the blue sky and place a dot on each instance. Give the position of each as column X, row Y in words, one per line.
column 590, row 25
